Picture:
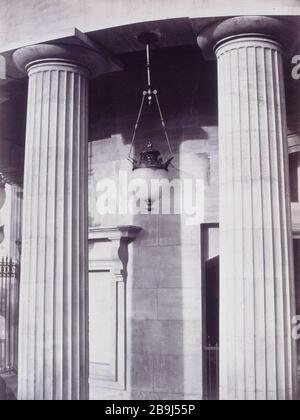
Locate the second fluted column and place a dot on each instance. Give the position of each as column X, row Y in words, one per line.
column 257, row 283
column 257, row 296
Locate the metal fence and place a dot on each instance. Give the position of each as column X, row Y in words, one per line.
column 211, row 377
column 9, row 311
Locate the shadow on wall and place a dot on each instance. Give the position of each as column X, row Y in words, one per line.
column 164, row 300
column 155, row 307
column 164, row 311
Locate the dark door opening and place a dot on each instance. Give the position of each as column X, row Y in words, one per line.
column 210, row 306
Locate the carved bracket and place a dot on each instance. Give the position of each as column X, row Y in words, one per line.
column 120, row 237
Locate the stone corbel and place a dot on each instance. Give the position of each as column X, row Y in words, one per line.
column 120, row 237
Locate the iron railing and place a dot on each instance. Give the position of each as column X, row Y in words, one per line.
column 211, row 376
column 9, row 311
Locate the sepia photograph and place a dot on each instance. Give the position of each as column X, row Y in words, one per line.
column 149, row 202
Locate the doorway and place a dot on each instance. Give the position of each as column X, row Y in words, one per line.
column 210, row 310
column 211, row 330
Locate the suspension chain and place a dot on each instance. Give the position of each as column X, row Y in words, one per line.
column 149, row 93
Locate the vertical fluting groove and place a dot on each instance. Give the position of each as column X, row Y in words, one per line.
column 29, row 256
column 39, row 255
column 83, row 302
column 220, row 122
column 42, row 248
column 23, row 285
column 274, row 176
column 57, row 254
column 289, row 281
column 31, row 234
column 35, row 239
column 241, row 341
column 65, row 244
column 84, row 362
column 251, row 262
column 233, row 395
column 48, row 388
column 63, row 86
column 25, row 270
column 54, row 259
column 52, row 228
column 256, row 226
column 282, row 216
column 80, row 112
column 76, row 242
column 261, row 368
column 226, row 318
column 269, row 311
column 279, row 272
column 68, row 244
column 240, row 246
column 263, row 165
column 72, row 205
column 49, row 348
column 68, row 250
column 271, row 212
column 49, row 266
column 258, row 244
column 243, row 323
column 23, row 320
column 60, row 252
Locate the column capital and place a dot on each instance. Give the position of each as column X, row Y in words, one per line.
column 87, row 58
column 277, row 29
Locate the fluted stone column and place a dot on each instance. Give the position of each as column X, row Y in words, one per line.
column 257, row 353
column 53, row 360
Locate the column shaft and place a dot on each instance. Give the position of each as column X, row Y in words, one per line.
column 53, row 299
column 257, row 355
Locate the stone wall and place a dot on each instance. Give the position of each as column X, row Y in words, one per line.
column 164, row 335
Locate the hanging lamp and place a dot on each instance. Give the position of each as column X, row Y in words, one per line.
column 150, row 165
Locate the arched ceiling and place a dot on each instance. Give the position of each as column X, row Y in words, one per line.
column 23, row 21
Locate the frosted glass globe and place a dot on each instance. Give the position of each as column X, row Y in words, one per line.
column 146, row 190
